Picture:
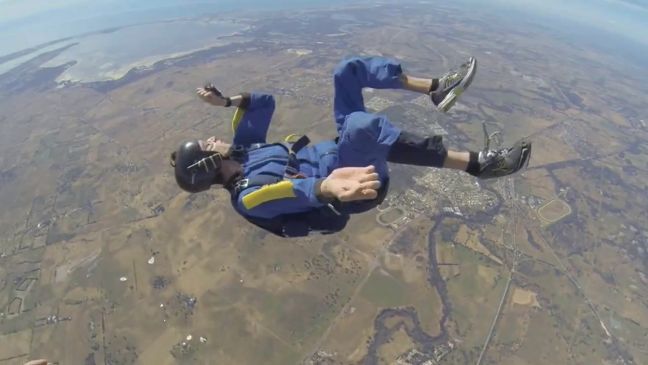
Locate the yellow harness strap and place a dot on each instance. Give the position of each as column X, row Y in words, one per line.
column 236, row 119
column 292, row 138
column 268, row 193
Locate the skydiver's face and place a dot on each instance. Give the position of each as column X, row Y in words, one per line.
column 227, row 168
column 213, row 144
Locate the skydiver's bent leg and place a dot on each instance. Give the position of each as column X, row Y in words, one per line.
column 368, row 139
column 411, row 149
column 418, row 84
column 354, row 74
column 457, row 160
column 445, row 90
column 365, row 139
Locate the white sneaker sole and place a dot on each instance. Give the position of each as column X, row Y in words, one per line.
column 454, row 94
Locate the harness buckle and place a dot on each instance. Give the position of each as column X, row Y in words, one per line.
column 241, row 185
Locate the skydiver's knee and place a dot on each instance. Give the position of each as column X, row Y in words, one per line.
column 364, row 121
column 362, row 127
column 347, row 67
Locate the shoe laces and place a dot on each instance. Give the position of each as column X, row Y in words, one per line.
column 453, row 76
column 497, row 156
column 450, row 79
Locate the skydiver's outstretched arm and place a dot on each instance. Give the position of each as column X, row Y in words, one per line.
column 210, row 94
column 253, row 112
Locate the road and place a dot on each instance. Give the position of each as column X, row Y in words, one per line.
column 509, row 189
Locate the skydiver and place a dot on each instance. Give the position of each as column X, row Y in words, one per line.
column 293, row 189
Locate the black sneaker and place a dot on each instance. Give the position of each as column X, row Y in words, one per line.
column 453, row 84
column 505, row 161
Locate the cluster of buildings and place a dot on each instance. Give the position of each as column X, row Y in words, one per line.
column 461, row 194
column 439, row 189
column 533, row 202
column 321, row 357
column 52, row 319
column 416, row 357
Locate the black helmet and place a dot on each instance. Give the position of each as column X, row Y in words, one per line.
column 195, row 169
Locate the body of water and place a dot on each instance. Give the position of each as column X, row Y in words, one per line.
column 107, row 56
column 26, row 30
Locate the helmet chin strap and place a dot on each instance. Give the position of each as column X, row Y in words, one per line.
column 208, row 163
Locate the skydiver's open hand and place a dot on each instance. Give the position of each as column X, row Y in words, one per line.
column 351, row 183
column 210, row 94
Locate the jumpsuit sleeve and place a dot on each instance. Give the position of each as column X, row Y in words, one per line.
column 252, row 119
column 284, row 197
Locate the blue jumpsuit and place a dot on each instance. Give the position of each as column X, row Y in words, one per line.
column 363, row 139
